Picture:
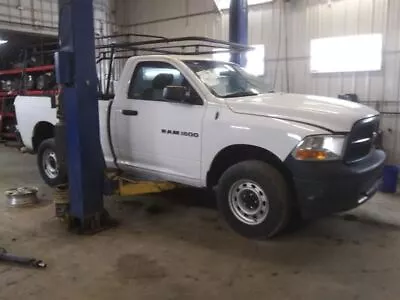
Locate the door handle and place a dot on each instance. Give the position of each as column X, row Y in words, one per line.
column 128, row 112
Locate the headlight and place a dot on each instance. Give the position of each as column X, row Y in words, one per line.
column 320, row 148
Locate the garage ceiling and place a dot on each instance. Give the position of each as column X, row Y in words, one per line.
column 225, row 4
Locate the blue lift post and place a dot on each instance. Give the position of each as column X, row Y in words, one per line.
column 78, row 137
column 238, row 28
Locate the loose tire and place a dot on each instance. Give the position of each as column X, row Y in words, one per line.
column 254, row 199
column 49, row 169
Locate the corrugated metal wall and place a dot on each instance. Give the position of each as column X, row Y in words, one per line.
column 41, row 16
column 286, row 31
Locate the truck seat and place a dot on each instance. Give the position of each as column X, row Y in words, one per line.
column 159, row 82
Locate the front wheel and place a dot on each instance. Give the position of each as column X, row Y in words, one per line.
column 48, row 165
column 254, row 199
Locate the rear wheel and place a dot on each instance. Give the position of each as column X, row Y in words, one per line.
column 254, row 199
column 48, row 165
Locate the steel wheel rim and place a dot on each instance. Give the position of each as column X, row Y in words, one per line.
column 49, row 163
column 248, row 202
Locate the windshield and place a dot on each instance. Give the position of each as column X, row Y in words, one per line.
column 227, row 80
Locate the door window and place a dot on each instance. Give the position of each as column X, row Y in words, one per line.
column 151, row 78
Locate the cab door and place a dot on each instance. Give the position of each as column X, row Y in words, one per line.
column 156, row 135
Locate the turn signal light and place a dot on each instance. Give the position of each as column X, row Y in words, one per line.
column 309, row 154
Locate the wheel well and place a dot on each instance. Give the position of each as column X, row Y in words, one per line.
column 236, row 153
column 42, row 131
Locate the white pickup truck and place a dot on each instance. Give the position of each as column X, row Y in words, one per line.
column 206, row 123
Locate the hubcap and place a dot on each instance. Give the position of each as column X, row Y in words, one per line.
column 248, row 202
column 49, row 163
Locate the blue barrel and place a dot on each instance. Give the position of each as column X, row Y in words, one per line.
column 390, row 175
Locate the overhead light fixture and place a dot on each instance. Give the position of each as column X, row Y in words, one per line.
column 2, row 42
column 225, row 4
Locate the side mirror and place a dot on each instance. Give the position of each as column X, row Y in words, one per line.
column 175, row 93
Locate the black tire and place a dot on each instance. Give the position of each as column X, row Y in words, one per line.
column 276, row 190
column 58, row 178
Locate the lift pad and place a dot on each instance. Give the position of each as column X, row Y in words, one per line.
column 133, row 188
column 117, row 186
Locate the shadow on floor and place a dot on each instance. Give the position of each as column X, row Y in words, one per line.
column 190, row 216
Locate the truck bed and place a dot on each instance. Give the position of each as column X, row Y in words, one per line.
column 33, row 110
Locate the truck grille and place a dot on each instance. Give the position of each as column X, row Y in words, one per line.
column 361, row 139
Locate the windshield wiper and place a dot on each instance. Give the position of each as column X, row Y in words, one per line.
column 240, row 94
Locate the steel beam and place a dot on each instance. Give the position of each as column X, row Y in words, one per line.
column 76, row 73
column 238, row 28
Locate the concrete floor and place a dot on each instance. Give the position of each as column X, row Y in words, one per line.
column 187, row 252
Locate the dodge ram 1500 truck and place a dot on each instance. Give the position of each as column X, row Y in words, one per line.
column 206, row 123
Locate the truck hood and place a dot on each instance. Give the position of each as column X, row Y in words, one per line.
column 333, row 114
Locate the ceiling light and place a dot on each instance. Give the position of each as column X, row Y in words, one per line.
column 225, row 4
column 2, row 42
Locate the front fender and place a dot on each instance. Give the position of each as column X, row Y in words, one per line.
column 277, row 136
